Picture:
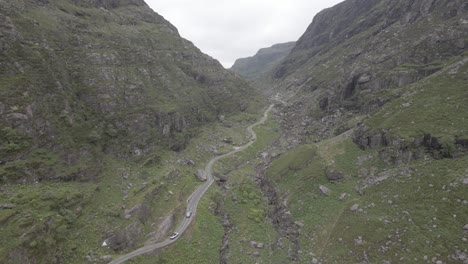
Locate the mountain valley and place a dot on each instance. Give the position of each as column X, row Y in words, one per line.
column 107, row 114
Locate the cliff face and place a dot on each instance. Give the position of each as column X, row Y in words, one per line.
column 358, row 21
column 358, row 49
column 81, row 79
column 265, row 59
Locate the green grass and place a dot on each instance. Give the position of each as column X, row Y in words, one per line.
column 247, row 209
column 398, row 214
column 300, row 184
column 436, row 106
column 199, row 244
column 425, row 217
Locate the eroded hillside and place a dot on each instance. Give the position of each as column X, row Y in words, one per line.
column 104, row 112
column 80, row 79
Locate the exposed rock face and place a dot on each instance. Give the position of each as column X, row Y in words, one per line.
column 201, row 175
column 358, row 48
column 265, row 59
column 125, row 238
column 83, row 78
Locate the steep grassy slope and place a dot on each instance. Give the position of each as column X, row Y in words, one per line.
column 262, row 62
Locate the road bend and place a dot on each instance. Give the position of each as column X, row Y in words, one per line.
column 195, row 197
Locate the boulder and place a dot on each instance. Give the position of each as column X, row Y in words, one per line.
column 315, row 261
column 220, row 177
column 299, row 223
column 334, row 175
column 465, row 181
column 364, row 79
column 228, row 140
column 200, row 174
column 253, row 244
column 260, row 245
column 343, row 196
column 324, row 190
column 465, row 227
column 274, row 155
column 105, row 259
column 355, row 207
column 7, row 206
column 358, row 241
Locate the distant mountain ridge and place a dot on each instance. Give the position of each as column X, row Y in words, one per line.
column 265, row 59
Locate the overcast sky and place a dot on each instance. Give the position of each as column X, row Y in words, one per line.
column 227, row 30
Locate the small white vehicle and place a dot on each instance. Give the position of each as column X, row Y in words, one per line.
column 174, row 235
column 188, row 214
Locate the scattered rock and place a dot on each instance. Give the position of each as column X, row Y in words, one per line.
column 260, row 245
column 7, row 206
column 274, row 155
column 186, row 161
column 264, row 155
column 256, row 254
column 220, row 177
column 299, row 223
column 253, row 244
column 343, row 196
column 128, row 216
column 465, row 181
column 315, row 261
column 407, row 104
column 324, row 190
column 364, row 79
column 200, row 174
column 355, row 207
column 333, row 175
column 227, row 140
column 222, row 118
column 88, row 258
column 459, row 255
column 106, row 258
column 465, row 227
column 358, row 241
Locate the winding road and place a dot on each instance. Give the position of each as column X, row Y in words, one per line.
column 194, row 199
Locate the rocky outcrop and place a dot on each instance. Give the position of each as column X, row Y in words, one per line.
column 401, row 151
column 262, row 62
column 357, row 49
column 127, row 237
column 201, row 175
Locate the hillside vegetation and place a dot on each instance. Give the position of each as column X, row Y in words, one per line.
column 105, row 112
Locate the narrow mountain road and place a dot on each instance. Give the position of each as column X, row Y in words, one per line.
column 194, row 199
